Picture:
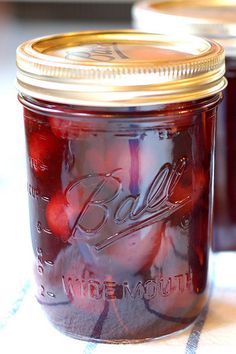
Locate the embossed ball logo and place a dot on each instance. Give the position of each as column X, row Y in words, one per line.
column 108, row 215
column 97, row 53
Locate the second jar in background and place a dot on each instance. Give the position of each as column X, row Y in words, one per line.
column 215, row 20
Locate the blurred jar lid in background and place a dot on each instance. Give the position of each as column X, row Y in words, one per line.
column 215, row 19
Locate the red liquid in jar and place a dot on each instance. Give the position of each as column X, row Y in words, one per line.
column 119, row 206
column 225, row 172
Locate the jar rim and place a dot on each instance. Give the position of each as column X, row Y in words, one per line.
column 119, row 68
column 63, row 110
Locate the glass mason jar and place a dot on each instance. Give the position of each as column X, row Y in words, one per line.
column 214, row 19
column 120, row 136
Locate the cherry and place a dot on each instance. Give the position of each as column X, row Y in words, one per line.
column 126, row 160
column 133, row 252
column 59, row 214
column 176, row 298
column 188, row 190
column 80, row 203
column 137, row 251
column 44, row 153
column 64, row 208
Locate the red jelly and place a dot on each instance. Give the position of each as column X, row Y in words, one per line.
column 215, row 20
column 119, row 156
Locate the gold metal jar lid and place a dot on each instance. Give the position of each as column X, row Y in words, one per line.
column 119, row 68
column 214, row 19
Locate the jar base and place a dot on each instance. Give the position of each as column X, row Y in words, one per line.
column 128, row 341
column 100, row 340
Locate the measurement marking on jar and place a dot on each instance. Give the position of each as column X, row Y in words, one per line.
column 50, row 263
column 45, row 198
column 50, row 294
column 42, row 290
column 37, row 165
column 41, row 229
column 47, row 231
column 35, row 193
column 40, row 269
column 44, row 293
column 41, row 261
